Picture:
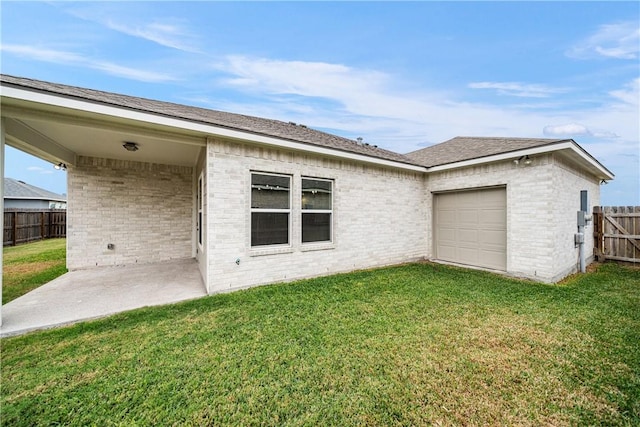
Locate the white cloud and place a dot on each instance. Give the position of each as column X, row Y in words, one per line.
column 571, row 129
column 165, row 34
column 74, row 59
column 354, row 102
column 575, row 129
column 518, row 89
column 630, row 94
column 39, row 170
column 168, row 32
column 620, row 40
column 38, row 54
column 363, row 103
column 317, row 79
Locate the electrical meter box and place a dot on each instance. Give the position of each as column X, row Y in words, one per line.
column 582, row 218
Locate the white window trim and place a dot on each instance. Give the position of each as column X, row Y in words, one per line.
column 323, row 243
column 259, row 250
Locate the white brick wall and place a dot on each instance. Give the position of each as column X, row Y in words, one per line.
column 568, row 182
column 381, row 216
column 378, row 217
column 541, row 211
column 144, row 209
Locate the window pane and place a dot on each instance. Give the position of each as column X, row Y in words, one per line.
column 316, row 194
column 316, row 227
column 269, row 191
column 269, row 228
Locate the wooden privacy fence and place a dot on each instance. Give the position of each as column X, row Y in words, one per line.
column 22, row 226
column 616, row 230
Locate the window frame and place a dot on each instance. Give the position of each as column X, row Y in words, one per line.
column 304, row 211
column 253, row 210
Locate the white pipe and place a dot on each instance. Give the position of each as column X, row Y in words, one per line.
column 581, row 249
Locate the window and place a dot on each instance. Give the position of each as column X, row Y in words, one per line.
column 316, row 210
column 270, row 209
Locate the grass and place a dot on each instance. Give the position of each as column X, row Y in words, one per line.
column 418, row 344
column 28, row 266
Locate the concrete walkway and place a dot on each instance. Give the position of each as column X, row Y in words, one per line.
column 102, row 291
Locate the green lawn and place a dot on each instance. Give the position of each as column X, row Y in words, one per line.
column 418, row 344
column 25, row 267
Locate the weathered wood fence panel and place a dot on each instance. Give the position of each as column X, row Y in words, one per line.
column 22, row 226
column 616, row 232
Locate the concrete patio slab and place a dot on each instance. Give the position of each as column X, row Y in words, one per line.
column 98, row 292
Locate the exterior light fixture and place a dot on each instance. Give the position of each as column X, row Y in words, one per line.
column 130, row 146
column 60, row 167
column 525, row 159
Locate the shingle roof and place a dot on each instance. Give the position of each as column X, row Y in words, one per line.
column 466, row 148
column 255, row 125
column 14, row 189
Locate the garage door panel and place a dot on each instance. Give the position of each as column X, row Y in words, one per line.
column 468, row 237
column 467, row 256
column 490, row 238
column 448, row 253
column 446, row 216
column 448, row 233
column 449, row 204
column 492, row 217
column 494, row 259
column 470, row 227
column 467, row 217
column 493, row 197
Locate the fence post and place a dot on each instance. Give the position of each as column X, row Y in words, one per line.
column 598, row 238
column 15, row 229
column 42, row 226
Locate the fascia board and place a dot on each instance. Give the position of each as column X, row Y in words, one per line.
column 150, row 118
column 565, row 145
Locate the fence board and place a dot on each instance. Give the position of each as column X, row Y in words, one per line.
column 616, row 232
column 22, row 226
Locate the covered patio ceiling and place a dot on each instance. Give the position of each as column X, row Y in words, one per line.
column 60, row 134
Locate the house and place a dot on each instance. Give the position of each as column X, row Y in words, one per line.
column 257, row 201
column 20, row 195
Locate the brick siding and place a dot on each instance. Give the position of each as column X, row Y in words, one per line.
column 145, row 210
column 542, row 201
column 377, row 215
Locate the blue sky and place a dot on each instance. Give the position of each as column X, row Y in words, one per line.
column 402, row 75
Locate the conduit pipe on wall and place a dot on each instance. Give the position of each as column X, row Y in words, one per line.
column 583, row 218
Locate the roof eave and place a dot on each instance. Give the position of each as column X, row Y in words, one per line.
column 595, row 167
column 49, row 199
column 9, row 90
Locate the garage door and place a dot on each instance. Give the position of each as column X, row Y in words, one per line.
column 471, row 227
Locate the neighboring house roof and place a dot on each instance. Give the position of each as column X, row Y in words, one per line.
column 465, row 148
column 267, row 127
column 15, row 189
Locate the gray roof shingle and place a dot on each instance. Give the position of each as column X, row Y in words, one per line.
column 14, row 189
column 255, row 125
column 466, row 148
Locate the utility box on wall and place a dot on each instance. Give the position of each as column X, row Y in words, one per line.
column 582, row 218
column 584, row 201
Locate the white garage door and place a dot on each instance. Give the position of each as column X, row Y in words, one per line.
column 471, row 227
